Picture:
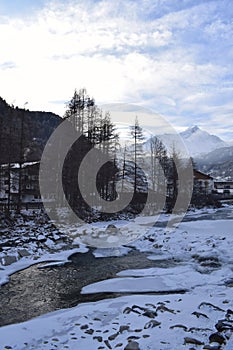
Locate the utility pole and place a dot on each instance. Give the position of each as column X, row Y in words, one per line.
column 9, row 167
column 21, row 160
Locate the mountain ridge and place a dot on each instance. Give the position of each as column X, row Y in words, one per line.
column 199, row 141
column 218, row 163
column 195, row 140
column 24, row 133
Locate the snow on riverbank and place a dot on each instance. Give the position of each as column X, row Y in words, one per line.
column 154, row 322
column 201, row 252
column 30, row 238
column 55, row 259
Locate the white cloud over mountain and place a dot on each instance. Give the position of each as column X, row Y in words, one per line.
column 171, row 56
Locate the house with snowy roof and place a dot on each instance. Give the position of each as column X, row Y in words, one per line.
column 224, row 187
column 203, row 183
column 12, row 174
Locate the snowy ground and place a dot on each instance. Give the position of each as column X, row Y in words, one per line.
column 30, row 238
column 160, row 319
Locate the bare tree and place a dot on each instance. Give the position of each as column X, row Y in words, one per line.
column 123, row 168
column 158, row 159
column 81, row 111
column 97, row 131
column 137, row 135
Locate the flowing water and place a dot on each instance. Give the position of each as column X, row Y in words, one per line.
column 36, row 291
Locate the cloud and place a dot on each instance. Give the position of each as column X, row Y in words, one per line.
column 7, row 65
column 172, row 56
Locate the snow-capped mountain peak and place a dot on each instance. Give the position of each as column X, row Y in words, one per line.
column 199, row 141
column 190, row 131
column 196, row 140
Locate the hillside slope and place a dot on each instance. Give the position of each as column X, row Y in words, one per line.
column 24, row 130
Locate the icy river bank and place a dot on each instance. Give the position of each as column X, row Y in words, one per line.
column 168, row 290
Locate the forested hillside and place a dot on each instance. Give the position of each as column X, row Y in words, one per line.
column 24, row 133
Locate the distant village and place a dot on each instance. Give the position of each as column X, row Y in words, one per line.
column 19, row 186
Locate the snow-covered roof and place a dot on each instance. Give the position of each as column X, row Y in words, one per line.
column 17, row 165
column 198, row 175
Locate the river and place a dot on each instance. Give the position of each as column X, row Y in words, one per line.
column 36, row 291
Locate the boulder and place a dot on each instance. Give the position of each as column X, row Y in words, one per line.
column 152, row 324
column 112, row 228
column 8, row 260
column 217, row 338
column 188, row 340
column 133, row 345
column 23, row 252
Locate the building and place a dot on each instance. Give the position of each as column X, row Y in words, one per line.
column 223, row 187
column 30, row 183
column 12, row 175
column 203, row 183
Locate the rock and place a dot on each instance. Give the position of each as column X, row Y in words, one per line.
column 199, row 314
column 139, row 309
column 106, row 342
column 223, row 325
column 198, row 329
column 85, row 326
column 127, row 310
column 217, row 338
column 212, row 347
column 179, row 326
column 188, row 340
column 113, row 336
column 23, row 252
column 229, row 283
column 150, row 314
column 212, row 264
column 133, row 337
column 42, row 238
column 123, row 328
column 214, row 307
column 100, row 339
column 8, row 260
column 55, row 339
column 152, row 324
column 133, row 345
column 49, row 243
column 163, row 308
column 112, row 228
column 150, row 305
column 56, row 237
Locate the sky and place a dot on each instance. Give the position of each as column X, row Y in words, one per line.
column 171, row 56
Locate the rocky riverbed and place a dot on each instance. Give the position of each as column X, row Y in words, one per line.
column 166, row 291
column 37, row 290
